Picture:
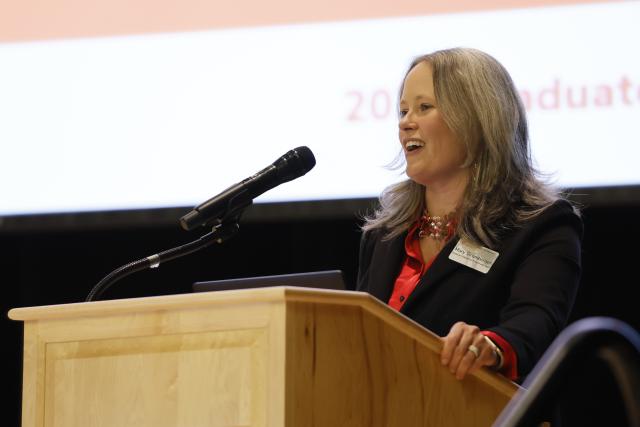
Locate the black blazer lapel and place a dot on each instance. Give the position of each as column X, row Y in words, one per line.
column 437, row 273
column 385, row 266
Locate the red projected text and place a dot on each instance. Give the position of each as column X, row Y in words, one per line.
column 558, row 94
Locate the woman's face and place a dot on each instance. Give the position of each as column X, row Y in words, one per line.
column 434, row 155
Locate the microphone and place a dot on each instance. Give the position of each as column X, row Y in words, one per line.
column 231, row 201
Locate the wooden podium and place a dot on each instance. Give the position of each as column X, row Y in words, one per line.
column 268, row 357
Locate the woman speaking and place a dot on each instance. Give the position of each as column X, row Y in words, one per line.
column 473, row 246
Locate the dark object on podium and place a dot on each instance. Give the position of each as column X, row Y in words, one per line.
column 330, row 279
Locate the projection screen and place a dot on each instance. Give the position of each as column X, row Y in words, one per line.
column 108, row 106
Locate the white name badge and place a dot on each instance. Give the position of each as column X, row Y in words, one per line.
column 477, row 257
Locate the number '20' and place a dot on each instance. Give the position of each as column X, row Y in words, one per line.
column 376, row 105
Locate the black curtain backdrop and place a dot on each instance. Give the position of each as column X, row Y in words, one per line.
column 56, row 267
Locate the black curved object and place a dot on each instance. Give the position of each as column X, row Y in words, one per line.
column 612, row 342
column 219, row 234
column 232, row 201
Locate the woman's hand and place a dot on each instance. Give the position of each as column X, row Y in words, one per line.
column 466, row 350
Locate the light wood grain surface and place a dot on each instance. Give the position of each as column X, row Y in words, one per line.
column 265, row 357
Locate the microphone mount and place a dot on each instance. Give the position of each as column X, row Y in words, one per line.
column 235, row 208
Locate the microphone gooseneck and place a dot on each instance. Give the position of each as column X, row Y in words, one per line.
column 219, row 234
column 222, row 212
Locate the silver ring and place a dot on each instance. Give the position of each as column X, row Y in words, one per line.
column 473, row 349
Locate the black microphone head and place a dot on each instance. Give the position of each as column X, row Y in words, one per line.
column 295, row 163
column 234, row 199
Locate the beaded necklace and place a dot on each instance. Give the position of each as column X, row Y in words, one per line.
column 439, row 228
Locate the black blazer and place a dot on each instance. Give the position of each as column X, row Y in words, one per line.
column 525, row 297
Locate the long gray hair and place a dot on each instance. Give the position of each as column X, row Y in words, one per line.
column 480, row 104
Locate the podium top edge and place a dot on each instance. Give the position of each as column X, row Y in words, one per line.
column 190, row 300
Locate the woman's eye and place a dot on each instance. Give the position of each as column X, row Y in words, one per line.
column 425, row 107
column 402, row 113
